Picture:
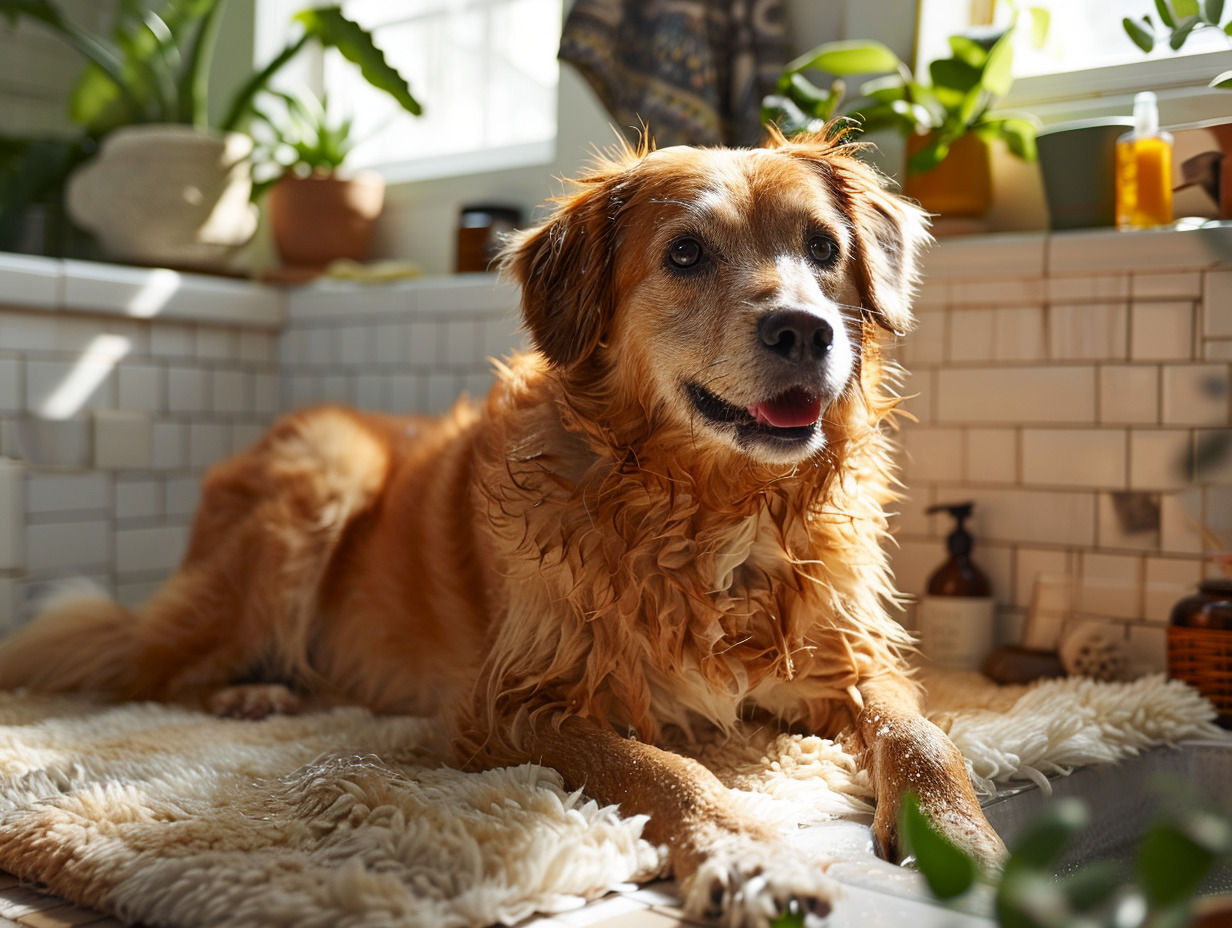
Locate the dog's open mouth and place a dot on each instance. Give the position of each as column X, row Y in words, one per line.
column 790, row 417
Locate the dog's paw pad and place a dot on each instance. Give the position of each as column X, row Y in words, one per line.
column 254, row 701
column 751, row 891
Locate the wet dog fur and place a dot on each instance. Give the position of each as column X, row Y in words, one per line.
column 668, row 516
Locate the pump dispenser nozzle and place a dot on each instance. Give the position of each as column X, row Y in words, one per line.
column 960, row 541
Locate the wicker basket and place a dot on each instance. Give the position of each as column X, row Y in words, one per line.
column 1202, row 657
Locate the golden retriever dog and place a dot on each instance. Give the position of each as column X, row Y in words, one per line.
column 668, row 516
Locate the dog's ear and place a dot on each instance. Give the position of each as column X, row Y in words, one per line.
column 566, row 268
column 889, row 233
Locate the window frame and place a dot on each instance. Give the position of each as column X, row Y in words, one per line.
column 270, row 21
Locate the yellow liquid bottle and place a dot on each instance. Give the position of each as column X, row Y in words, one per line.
column 1144, row 170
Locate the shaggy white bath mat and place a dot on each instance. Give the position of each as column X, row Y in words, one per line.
column 341, row 818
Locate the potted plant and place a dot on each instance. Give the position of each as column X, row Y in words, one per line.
column 145, row 96
column 947, row 121
column 317, row 215
column 1181, row 19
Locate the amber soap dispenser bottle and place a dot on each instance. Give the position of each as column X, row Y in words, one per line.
column 1144, row 170
column 957, row 613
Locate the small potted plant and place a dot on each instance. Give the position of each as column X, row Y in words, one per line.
column 947, row 121
column 317, row 215
column 1182, row 19
column 167, row 187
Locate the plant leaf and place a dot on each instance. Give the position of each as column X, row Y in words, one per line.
column 1029, row 899
column 1091, row 886
column 102, row 57
column 998, row 74
column 1043, row 840
column 948, row 870
column 1182, row 31
column 846, row 58
column 812, row 99
column 953, row 74
column 1041, row 22
column 1223, row 81
column 1141, row 34
column 885, row 89
column 1212, row 11
column 1171, row 864
column 158, row 51
column 333, row 30
column 1018, row 135
column 968, row 50
column 1166, row 16
column 1185, row 8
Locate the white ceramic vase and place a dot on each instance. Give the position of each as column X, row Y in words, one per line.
column 167, row 195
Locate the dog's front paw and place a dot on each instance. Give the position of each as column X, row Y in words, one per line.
column 961, row 823
column 253, row 701
column 751, row 886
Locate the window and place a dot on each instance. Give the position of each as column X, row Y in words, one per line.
column 1088, row 66
column 484, row 70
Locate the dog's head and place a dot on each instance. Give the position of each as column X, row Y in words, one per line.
column 729, row 292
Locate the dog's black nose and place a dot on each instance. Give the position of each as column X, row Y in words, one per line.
column 795, row 334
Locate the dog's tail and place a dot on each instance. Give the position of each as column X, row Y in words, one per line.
column 80, row 642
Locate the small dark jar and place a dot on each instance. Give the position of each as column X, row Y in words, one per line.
column 1200, row 644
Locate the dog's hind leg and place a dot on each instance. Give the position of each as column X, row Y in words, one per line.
column 243, row 601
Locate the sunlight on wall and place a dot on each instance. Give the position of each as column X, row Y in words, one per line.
column 149, row 301
column 96, row 362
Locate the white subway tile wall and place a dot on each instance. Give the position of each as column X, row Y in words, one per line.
column 1069, row 404
column 412, row 347
column 161, row 401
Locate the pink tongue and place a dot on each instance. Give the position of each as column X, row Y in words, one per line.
column 789, row 410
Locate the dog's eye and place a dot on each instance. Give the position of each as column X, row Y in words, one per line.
column 821, row 248
column 685, row 252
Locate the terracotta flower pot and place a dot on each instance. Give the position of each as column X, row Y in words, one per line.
column 960, row 186
column 166, row 195
column 322, row 217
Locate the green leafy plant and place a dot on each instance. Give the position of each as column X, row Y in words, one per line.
column 155, row 66
column 958, row 98
column 1173, row 857
column 1181, row 19
column 300, row 139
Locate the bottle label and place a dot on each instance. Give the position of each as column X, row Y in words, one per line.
column 956, row 631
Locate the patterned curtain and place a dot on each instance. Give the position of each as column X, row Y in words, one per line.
column 692, row 71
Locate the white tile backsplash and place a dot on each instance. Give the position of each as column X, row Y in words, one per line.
column 138, row 498
column 1128, row 394
column 1196, row 394
column 146, row 550
column 1089, row 331
column 1161, row 331
column 141, row 387
column 933, row 455
column 992, row 455
column 1217, row 305
column 1158, row 459
column 188, row 389
column 11, row 385
column 68, row 546
column 48, row 491
column 1026, row 395
column 123, row 440
column 12, row 514
column 1074, row 458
